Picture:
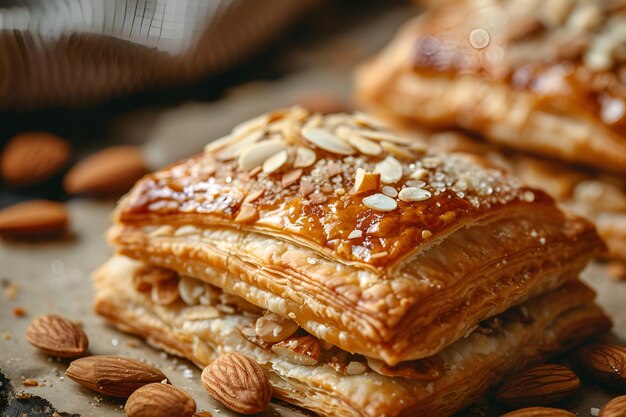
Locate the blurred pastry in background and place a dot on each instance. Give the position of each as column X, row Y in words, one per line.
column 600, row 197
column 545, row 77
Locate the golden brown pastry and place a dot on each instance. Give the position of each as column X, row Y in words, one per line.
column 200, row 322
column 548, row 77
column 366, row 239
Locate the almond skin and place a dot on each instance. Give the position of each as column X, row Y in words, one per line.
column 113, row 375
column 539, row 412
column 238, row 382
column 32, row 157
column 541, row 385
column 159, row 400
column 57, row 336
column 614, row 408
column 109, row 172
column 33, row 219
column 605, row 362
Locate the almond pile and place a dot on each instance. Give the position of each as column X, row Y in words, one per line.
column 33, row 158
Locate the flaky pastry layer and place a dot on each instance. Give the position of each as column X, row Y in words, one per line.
column 557, row 320
column 380, row 245
column 519, row 73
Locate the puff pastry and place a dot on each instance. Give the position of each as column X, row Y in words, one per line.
column 366, row 239
column 336, row 383
column 540, row 76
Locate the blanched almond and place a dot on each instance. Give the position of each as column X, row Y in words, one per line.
column 325, row 140
column 390, row 170
column 380, row 202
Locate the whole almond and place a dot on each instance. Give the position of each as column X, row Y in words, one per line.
column 238, row 382
column 541, row 385
column 33, row 219
column 113, row 375
column 614, row 408
column 159, row 400
column 109, row 172
column 57, row 336
column 539, row 412
column 605, row 362
column 33, row 157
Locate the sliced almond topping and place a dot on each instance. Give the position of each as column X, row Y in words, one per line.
column 233, row 151
column 256, row 154
column 317, row 198
column 397, row 151
column 379, row 255
column 380, row 202
column 355, row 234
column 390, row 170
column 380, row 136
column 247, row 214
column 305, row 157
column 327, row 141
column 273, row 328
column 251, row 125
column 275, row 162
column 390, row 191
column 314, row 121
column 365, row 181
column 254, row 195
column 303, row 350
column 410, row 194
column 190, row 290
column 419, row 174
column 365, row 146
column 334, row 168
column 291, row 177
column 306, row 188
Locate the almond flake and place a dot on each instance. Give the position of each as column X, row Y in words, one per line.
column 305, row 157
column 233, row 151
column 379, row 255
column 254, row 155
column 410, row 194
column 390, row 170
column 380, row 202
column 382, row 136
column 333, row 168
column 275, row 162
column 306, row 188
column 419, row 174
column 251, row 125
column 355, row 234
column 365, row 181
column 365, row 146
column 317, row 198
column 254, row 195
column 291, row 177
column 327, row 141
column 397, row 151
column 390, row 191
column 247, row 214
